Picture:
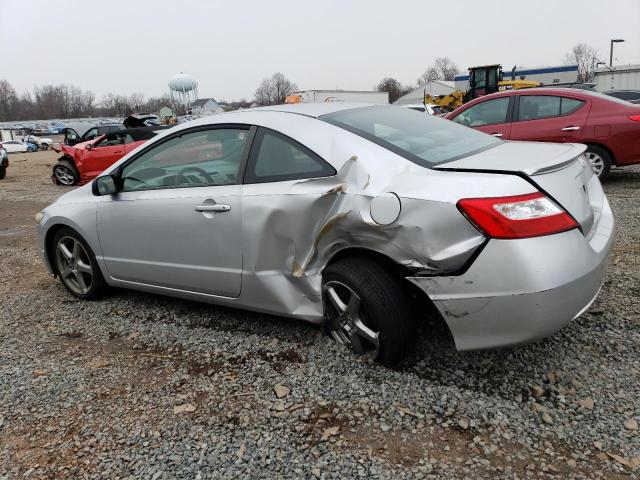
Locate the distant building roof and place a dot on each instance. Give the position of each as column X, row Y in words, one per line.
column 202, row 101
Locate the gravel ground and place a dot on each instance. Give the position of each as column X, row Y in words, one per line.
column 141, row 386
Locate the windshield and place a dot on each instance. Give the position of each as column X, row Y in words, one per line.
column 422, row 139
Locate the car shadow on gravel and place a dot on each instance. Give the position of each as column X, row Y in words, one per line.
column 622, row 176
column 194, row 314
column 504, row 372
column 507, row 372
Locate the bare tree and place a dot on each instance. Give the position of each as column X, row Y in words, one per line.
column 7, row 100
column 443, row 68
column 274, row 90
column 393, row 87
column 584, row 56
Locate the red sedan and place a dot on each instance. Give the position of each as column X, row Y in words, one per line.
column 84, row 161
column 608, row 126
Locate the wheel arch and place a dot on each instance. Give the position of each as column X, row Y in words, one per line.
column 67, row 158
column 422, row 305
column 49, row 247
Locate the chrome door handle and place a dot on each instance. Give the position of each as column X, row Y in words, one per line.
column 496, row 134
column 216, row 207
column 570, row 129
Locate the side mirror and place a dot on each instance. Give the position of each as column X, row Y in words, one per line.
column 89, row 147
column 105, row 185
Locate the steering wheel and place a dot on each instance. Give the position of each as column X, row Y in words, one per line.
column 182, row 178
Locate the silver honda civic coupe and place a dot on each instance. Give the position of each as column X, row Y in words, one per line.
column 344, row 214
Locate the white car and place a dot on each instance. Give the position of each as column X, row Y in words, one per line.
column 43, row 143
column 14, row 146
column 429, row 108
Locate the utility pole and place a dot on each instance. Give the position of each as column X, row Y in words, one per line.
column 613, row 40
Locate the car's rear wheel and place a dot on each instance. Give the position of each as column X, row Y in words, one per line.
column 45, row 146
column 65, row 173
column 367, row 310
column 3, row 172
column 76, row 265
column 600, row 161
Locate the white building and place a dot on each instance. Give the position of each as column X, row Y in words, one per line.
column 205, row 106
column 433, row 88
column 623, row 77
column 339, row 96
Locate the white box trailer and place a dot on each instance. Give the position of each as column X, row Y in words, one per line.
column 340, row 96
column 623, row 77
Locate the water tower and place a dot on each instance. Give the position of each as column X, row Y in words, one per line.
column 184, row 90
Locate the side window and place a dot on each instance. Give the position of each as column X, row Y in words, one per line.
column 112, row 140
column 195, row 159
column 91, row 134
column 275, row 157
column 533, row 107
column 485, row 113
column 570, row 105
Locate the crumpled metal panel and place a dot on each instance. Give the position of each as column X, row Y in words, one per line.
column 293, row 229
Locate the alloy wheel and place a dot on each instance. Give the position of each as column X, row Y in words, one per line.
column 596, row 161
column 74, row 265
column 346, row 322
column 64, row 176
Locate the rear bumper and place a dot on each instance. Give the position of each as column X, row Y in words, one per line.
column 519, row 291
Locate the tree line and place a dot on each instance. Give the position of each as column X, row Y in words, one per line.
column 69, row 101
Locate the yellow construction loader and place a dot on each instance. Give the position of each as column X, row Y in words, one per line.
column 483, row 80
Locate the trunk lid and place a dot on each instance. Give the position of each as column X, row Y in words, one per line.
column 558, row 169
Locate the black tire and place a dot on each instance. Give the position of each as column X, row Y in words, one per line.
column 602, row 159
column 384, row 308
column 65, row 173
column 3, row 172
column 45, row 146
column 96, row 287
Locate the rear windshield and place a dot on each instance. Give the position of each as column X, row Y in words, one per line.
column 422, row 139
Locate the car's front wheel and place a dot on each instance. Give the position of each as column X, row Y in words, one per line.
column 367, row 310
column 76, row 265
column 65, row 173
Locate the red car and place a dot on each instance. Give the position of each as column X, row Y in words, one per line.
column 610, row 127
column 84, row 161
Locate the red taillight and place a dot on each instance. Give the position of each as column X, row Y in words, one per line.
column 519, row 216
column 635, row 118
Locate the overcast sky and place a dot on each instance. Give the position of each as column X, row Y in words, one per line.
column 229, row 46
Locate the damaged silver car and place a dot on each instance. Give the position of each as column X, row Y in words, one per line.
column 338, row 213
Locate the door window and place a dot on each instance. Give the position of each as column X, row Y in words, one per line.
column 195, row 159
column 533, row 107
column 114, row 139
column 276, row 157
column 485, row 113
column 91, row 134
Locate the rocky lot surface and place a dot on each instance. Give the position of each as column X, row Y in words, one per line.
column 140, row 386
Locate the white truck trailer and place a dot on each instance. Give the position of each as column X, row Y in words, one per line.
column 364, row 96
column 623, row 77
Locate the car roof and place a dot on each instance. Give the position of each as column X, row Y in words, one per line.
column 311, row 109
column 410, row 105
